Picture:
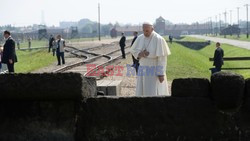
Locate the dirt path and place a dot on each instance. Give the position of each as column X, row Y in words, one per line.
column 128, row 82
column 69, row 59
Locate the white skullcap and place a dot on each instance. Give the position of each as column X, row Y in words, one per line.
column 147, row 23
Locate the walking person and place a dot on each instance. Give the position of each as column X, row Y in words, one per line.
column 123, row 45
column 135, row 61
column 218, row 58
column 60, row 49
column 9, row 53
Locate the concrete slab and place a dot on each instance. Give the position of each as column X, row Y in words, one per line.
column 102, row 86
column 114, row 88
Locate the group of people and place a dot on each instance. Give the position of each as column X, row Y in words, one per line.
column 122, row 44
column 57, row 45
column 148, row 50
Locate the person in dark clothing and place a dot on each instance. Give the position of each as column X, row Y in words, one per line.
column 135, row 61
column 29, row 41
column 51, row 39
column 54, row 46
column 1, row 51
column 9, row 53
column 218, row 58
column 123, row 45
column 60, row 50
column 170, row 39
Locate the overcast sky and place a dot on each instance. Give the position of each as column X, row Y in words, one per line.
column 27, row 12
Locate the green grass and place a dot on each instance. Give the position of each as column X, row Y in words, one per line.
column 34, row 43
column 234, row 37
column 185, row 62
column 29, row 61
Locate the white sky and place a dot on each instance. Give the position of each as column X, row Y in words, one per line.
column 28, row 12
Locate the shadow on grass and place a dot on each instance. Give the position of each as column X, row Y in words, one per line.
column 194, row 45
column 246, row 68
column 179, row 37
column 241, row 68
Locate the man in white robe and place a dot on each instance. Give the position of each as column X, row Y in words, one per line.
column 151, row 50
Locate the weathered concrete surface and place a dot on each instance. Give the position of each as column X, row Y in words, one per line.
column 114, row 88
column 42, row 107
column 155, row 118
column 160, row 118
column 185, row 117
column 109, row 87
column 38, row 120
column 60, row 86
column 191, row 87
column 247, row 89
column 227, row 90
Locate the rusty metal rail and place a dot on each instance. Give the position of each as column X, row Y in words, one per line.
column 91, row 59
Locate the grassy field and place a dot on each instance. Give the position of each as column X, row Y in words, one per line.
column 182, row 63
column 29, row 61
column 234, row 37
column 186, row 62
column 34, row 43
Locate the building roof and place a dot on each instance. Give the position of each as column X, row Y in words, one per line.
column 160, row 19
column 129, row 28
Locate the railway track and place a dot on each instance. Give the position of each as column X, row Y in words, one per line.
column 100, row 60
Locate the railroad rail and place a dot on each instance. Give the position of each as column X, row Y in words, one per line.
column 100, row 60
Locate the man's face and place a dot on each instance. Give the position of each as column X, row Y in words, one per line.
column 135, row 34
column 6, row 36
column 147, row 30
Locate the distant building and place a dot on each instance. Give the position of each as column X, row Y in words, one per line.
column 163, row 27
column 66, row 24
column 178, row 29
column 160, row 25
column 127, row 30
column 231, row 30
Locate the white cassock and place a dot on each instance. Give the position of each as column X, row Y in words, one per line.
column 148, row 83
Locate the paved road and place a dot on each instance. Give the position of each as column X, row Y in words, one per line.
column 241, row 44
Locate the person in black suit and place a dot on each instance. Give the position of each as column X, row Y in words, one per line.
column 170, row 39
column 218, row 58
column 51, row 39
column 9, row 53
column 135, row 61
column 122, row 45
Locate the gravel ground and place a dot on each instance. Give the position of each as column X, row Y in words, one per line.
column 70, row 59
column 128, row 82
